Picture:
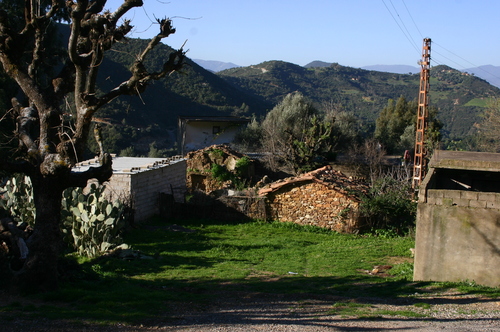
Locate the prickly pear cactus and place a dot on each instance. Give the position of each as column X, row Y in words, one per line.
column 17, row 199
column 91, row 223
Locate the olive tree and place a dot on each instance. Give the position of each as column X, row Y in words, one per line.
column 50, row 143
column 294, row 134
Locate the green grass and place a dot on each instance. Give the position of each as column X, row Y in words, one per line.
column 480, row 102
column 254, row 257
column 368, row 311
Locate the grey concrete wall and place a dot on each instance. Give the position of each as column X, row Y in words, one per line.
column 144, row 187
column 458, row 237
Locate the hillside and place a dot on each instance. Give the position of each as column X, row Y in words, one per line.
column 152, row 117
column 458, row 96
column 245, row 91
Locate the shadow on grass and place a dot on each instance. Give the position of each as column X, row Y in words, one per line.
column 111, row 291
column 280, row 300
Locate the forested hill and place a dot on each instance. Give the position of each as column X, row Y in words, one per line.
column 460, row 97
column 193, row 91
column 152, row 117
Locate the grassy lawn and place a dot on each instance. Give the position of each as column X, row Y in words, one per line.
column 186, row 268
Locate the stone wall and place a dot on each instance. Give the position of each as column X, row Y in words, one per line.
column 312, row 203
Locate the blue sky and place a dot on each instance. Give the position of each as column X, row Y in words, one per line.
column 356, row 33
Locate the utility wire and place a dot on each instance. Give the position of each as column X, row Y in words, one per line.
column 442, row 55
column 408, row 36
column 415, row 24
column 404, row 25
column 473, row 65
column 399, row 25
column 470, row 63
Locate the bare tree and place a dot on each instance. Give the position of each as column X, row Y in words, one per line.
column 374, row 157
column 48, row 149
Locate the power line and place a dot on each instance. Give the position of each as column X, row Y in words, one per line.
column 407, row 37
column 415, row 24
column 470, row 63
column 459, row 65
column 404, row 25
column 473, row 65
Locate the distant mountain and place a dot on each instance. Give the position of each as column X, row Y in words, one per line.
column 318, row 64
column 214, row 66
column 398, row 69
column 488, row 72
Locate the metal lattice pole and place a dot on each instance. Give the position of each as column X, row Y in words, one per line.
column 419, row 164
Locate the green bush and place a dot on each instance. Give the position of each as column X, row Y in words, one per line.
column 220, row 173
column 237, row 178
column 389, row 206
column 242, row 166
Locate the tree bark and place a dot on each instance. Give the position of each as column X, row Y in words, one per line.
column 40, row 271
column 50, row 151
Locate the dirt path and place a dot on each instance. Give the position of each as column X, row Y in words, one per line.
column 250, row 312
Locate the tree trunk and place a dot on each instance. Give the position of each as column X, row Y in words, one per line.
column 40, row 272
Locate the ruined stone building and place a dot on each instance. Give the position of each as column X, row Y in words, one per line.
column 324, row 198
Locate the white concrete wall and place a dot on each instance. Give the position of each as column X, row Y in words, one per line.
column 144, row 187
column 200, row 134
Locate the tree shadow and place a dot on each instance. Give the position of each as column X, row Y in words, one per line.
column 108, row 291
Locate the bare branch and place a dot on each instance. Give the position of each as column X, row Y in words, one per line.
column 123, row 9
column 56, row 5
column 166, row 30
column 140, row 78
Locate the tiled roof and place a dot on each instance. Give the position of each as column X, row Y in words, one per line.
column 333, row 179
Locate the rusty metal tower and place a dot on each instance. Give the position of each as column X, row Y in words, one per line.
column 419, row 164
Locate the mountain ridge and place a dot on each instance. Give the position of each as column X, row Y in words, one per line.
column 489, row 73
column 459, row 96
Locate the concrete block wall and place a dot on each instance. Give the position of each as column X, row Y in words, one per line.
column 315, row 204
column 463, row 198
column 458, row 237
column 144, row 187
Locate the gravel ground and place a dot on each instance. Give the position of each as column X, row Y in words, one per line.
column 250, row 312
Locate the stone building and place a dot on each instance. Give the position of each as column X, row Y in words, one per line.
column 324, row 198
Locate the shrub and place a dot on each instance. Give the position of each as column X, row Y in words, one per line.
column 389, row 205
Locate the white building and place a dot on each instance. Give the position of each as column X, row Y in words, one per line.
column 142, row 180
